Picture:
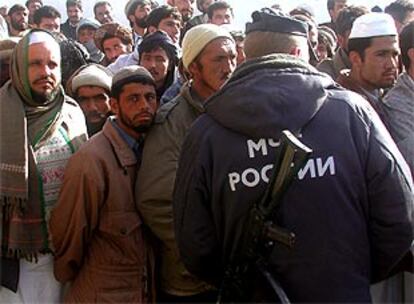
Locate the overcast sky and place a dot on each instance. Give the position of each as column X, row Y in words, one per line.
column 242, row 8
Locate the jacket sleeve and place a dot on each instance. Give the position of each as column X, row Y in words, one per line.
column 194, row 225
column 75, row 216
column 390, row 196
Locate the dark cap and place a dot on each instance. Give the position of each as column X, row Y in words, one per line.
column 268, row 20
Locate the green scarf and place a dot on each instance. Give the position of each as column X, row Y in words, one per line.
column 22, row 123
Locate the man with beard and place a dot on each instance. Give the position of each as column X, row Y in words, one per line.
column 373, row 53
column 113, row 40
column 136, row 12
column 18, row 20
column 209, row 55
column 40, row 129
column 103, row 12
column 96, row 229
column 185, row 7
column 75, row 13
column 90, row 86
column 159, row 55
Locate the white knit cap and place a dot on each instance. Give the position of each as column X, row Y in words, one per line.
column 92, row 75
column 373, row 25
column 198, row 37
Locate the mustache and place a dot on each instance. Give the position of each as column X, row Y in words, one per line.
column 48, row 79
column 95, row 114
column 144, row 113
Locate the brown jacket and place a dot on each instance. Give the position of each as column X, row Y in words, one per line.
column 96, row 229
column 347, row 82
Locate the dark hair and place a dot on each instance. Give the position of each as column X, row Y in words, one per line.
column 347, row 16
column 135, row 4
column 162, row 12
column 407, row 43
column 331, row 4
column 45, row 11
column 77, row 3
column 218, row 6
column 16, row 8
column 359, row 45
column 100, row 3
column 30, row 1
column 117, row 88
column 399, row 9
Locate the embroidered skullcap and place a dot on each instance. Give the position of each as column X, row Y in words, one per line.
column 196, row 39
column 132, row 73
column 373, row 25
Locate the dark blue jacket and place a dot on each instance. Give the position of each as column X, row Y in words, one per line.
column 350, row 206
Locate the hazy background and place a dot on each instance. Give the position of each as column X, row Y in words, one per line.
column 242, row 8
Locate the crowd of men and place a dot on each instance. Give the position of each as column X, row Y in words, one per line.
column 132, row 158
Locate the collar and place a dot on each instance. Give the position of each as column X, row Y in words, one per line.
column 129, row 140
column 193, row 98
column 117, row 137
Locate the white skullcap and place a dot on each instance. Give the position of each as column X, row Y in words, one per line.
column 41, row 37
column 197, row 38
column 92, row 75
column 373, row 25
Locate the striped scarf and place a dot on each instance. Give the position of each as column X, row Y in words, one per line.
column 22, row 121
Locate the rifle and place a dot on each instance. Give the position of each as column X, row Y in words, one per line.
column 261, row 234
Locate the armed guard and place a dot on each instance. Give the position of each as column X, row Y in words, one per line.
column 350, row 228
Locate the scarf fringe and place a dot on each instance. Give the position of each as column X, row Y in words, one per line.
column 9, row 204
column 20, row 254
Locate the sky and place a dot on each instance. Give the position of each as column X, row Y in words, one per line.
column 242, row 8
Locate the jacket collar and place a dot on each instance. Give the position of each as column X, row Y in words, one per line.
column 192, row 98
column 122, row 151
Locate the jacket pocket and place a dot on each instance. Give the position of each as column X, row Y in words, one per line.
column 119, row 223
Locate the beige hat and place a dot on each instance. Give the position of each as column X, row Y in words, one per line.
column 373, row 25
column 92, row 75
column 132, row 73
column 197, row 38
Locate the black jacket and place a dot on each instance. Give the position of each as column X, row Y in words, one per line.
column 350, row 206
column 68, row 30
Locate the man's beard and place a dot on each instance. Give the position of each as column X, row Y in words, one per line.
column 142, row 128
column 44, row 99
column 141, row 23
column 19, row 26
column 95, row 127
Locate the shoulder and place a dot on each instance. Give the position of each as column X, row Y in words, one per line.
column 167, row 109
